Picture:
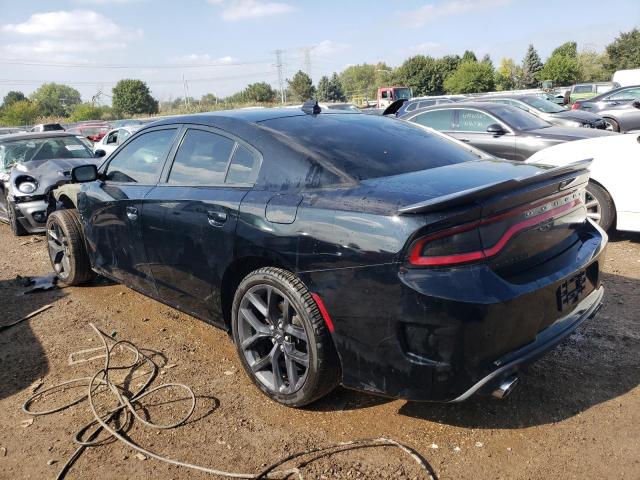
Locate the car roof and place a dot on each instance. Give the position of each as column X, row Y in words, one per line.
column 490, row 107
column 34, row 135
column 253, row 115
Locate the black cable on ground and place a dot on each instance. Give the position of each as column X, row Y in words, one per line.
column 117, row 419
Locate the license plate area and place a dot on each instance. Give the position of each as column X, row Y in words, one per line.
column 572, row 291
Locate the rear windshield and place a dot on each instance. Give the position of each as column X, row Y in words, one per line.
column 367, row 146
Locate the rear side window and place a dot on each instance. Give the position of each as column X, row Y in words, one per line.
column 411, row 107
column 201, row 159
column 244, row 166
column 473, row 121
column 628, row 94
column 436, row 119
column 360, row 147
column 141, row 160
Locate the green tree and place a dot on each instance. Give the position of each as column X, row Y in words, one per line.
column 301, row 86
column 363, row 80
column 469, row 56
column 260, row 92
column 487, row 59
column 330, row 89
column 471, row 77
column 624, row 52
column 55, row 99
column 132, row 97
column 592, row 68
column 208, row 99
column 426, row 75
column 22, row 112
column 88, row 111
column 508, row 75
column 531, row 65
column 563, row 70
column 567, row 49
column 13, row 97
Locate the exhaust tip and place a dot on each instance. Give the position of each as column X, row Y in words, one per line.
column 506, row 387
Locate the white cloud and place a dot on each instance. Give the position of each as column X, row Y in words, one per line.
column 234, row 10
column 202, row 59
column 426, row 48
column 106, row 2
column 58, row 34
column 430, row 12
column 328, row 47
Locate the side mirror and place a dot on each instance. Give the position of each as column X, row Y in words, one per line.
column 636, row 103
column 99, row 153
column 84, row 173
column 496, row 129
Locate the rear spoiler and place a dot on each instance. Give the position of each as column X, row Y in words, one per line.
column 484, row 191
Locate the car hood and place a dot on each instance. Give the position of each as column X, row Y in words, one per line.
column 577, row 115
column 48, row 173
column 569, row 133
column 609, row 150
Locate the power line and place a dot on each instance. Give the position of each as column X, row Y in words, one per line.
column 115, row 66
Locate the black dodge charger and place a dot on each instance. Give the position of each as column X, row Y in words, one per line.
column 343, row 248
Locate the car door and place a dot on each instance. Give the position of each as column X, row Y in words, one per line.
column 111, row 207
column 189, row 219
column 470, row 126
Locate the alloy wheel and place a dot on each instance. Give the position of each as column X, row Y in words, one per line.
column 273, row 339
column 594, row 210
column 58, row 250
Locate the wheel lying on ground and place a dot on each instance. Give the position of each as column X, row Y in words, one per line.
column 282, row 339
column 600, row 206
column 67, row 252
column 16, row 227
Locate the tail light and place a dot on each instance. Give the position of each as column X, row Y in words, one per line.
column 575, row 106
column 463, row 244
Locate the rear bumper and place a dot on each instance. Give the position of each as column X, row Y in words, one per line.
column 546, row 340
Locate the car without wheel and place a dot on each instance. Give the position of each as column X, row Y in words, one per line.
column 338, row 247
column 548, row 111
column 31, row 165
column 504, row 131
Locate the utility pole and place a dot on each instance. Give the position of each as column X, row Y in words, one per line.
column 307, row 59
column 280, row 68
column 186, row 92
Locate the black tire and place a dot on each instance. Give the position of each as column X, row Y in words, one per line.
column 67, row 251
column 615, row 126
column 16, row 227
column 600, row 207
column 322, row 374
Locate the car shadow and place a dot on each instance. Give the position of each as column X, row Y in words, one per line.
column 22, row 356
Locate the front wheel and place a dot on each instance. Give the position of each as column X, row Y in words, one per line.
column 67, row 252
column 611, row 125
column 282, row 339
column 599, row 205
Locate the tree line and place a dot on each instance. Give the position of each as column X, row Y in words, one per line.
column 426, row 75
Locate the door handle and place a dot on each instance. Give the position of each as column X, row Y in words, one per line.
column 466, row 140
column 132, row 213
column 216, row 218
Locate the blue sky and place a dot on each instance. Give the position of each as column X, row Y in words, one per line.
column 219, row 46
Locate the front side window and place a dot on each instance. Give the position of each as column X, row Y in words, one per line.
column 436, row 119
column 582, row 89
column 112, row 138
column 473, row 121
column 627, row 94
column 202, row 159
column 141, row 160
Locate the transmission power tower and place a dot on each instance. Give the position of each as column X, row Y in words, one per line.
column 280, row 68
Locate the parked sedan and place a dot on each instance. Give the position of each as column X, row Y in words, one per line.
column 619, row 108
column 549, row 111
column 339, row 247
column 501, row 130
column 107, row 144
column 31, row 164
column 612, row 193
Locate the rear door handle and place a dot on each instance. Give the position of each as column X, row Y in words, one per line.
column 216, row 218
column 132, row 213
column 466, row 140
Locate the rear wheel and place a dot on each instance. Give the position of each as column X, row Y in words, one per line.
column 16, row 226
column 281, row 338
column 611, row 125
column 67, row 252
column 599, row 205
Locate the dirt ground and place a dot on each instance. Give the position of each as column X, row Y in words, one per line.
column 576, row 414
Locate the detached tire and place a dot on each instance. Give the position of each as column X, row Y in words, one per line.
column 66, row 247
column 600, row 207
column 282, row 339
column 16, row 227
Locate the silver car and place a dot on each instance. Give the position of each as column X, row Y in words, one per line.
column 619, row 108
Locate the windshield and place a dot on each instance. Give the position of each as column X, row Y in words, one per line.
column 543, row 105
column 402, row 93
column 26, row 150
column 518, row 119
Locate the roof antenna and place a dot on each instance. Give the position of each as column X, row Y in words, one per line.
column 311, row 107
